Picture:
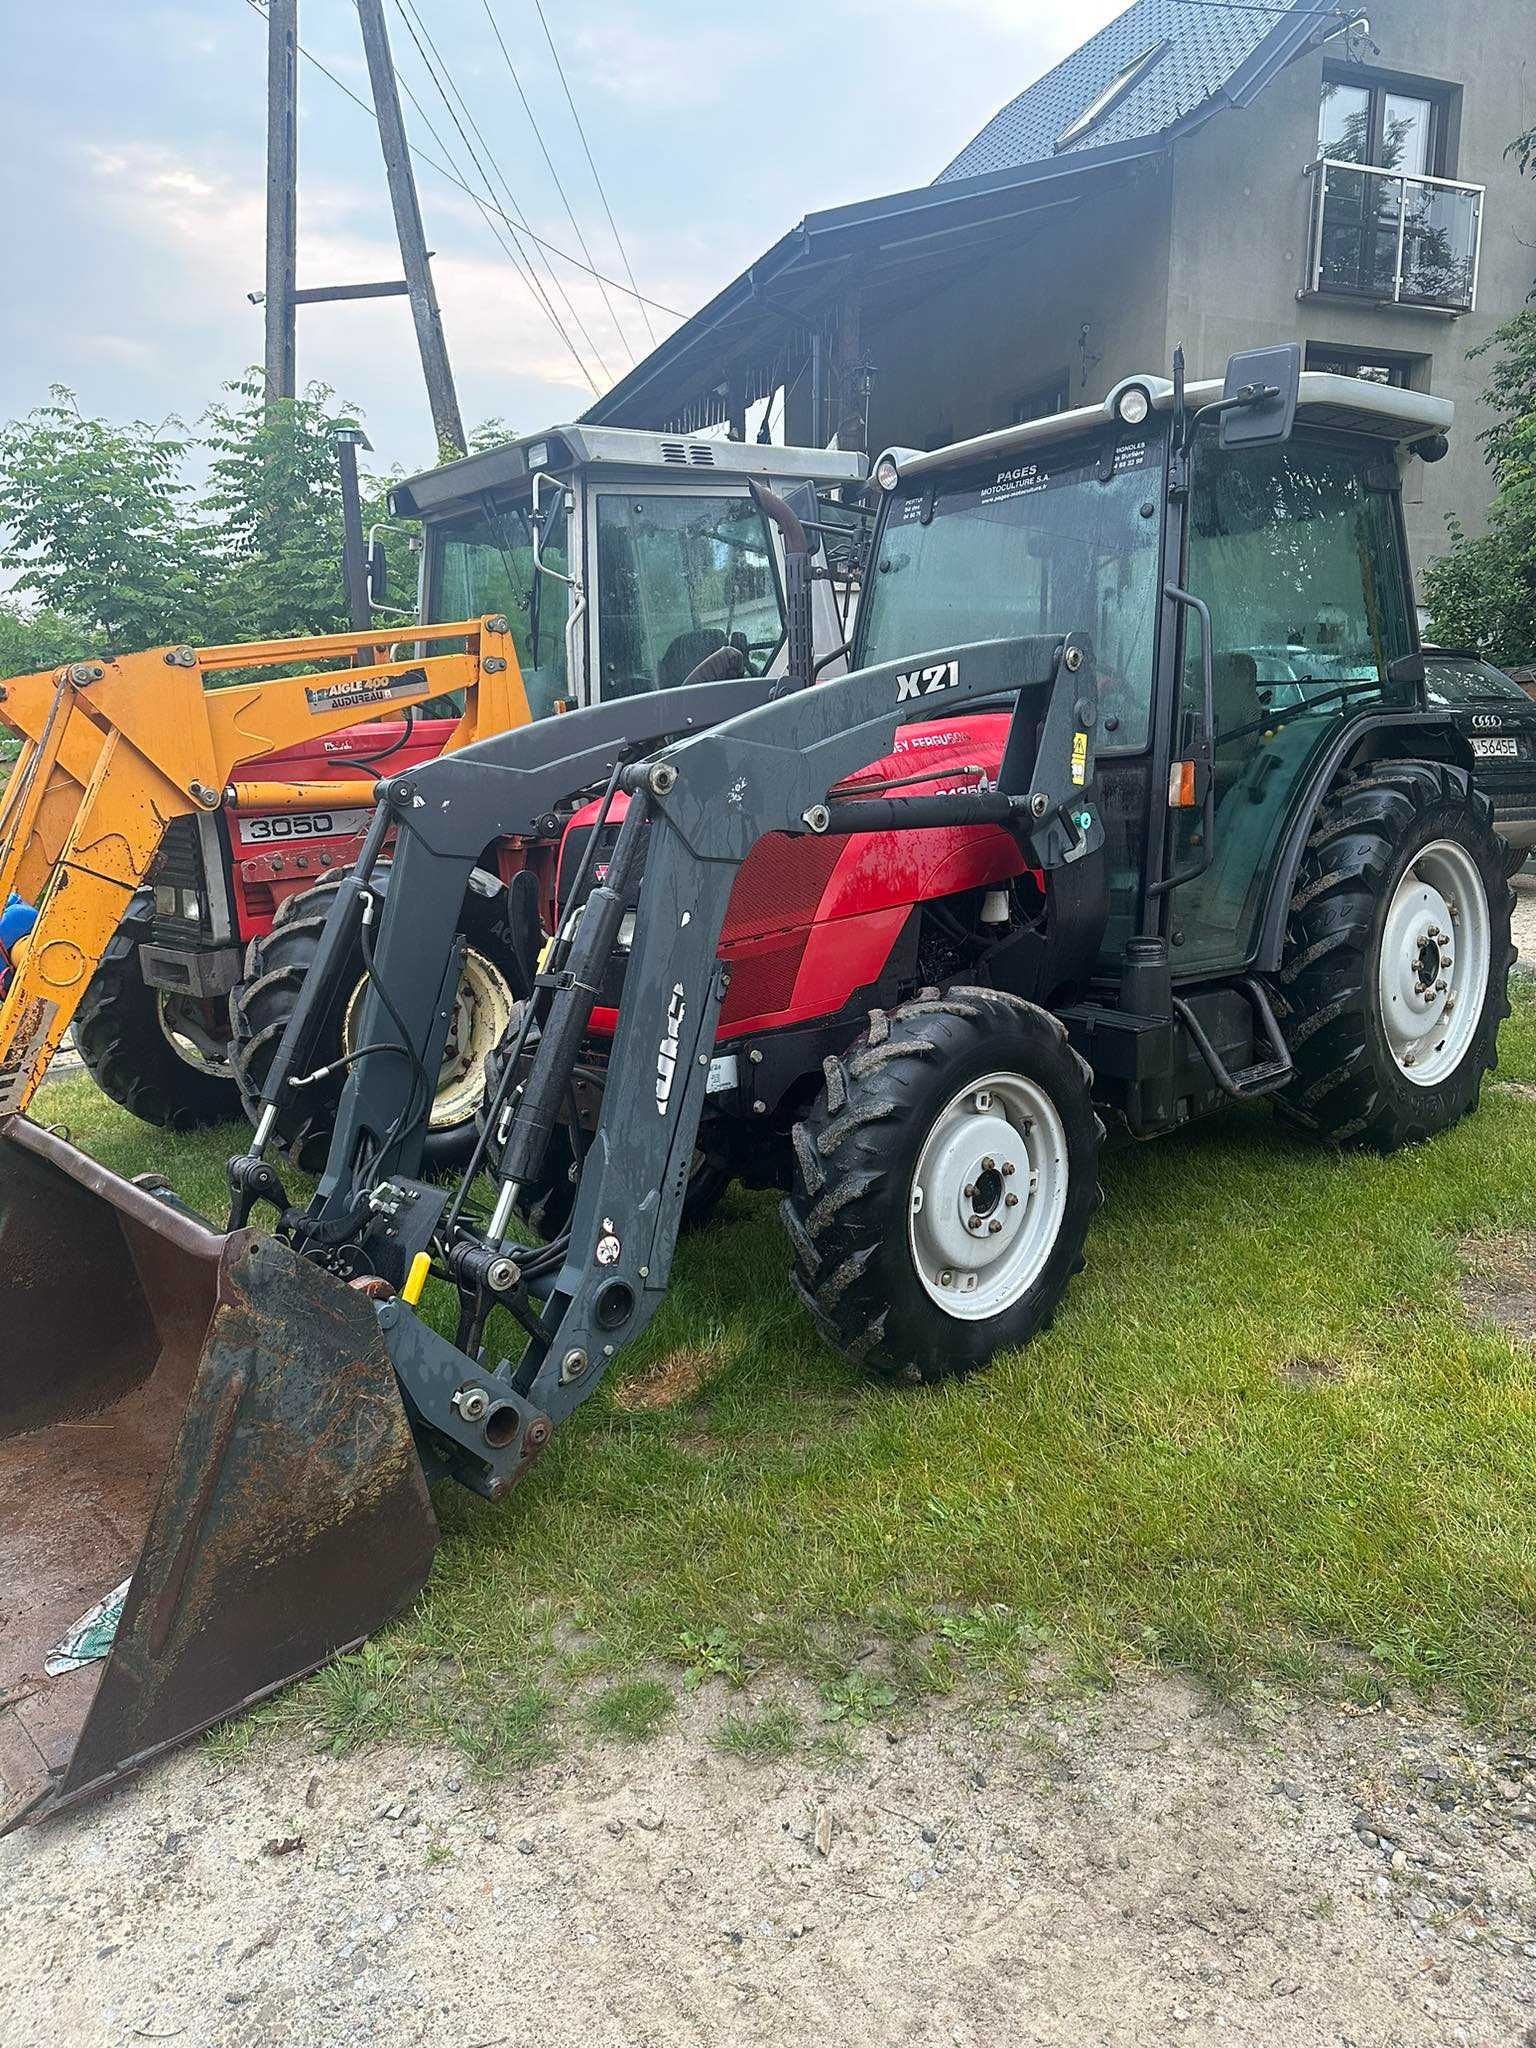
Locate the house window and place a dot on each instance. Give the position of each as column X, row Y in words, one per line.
column 1395, row 127
column 1112, row 94
column 1374, row 365
column 1038, row 403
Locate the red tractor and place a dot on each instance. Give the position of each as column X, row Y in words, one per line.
column 1058, row 847
column 620, row 559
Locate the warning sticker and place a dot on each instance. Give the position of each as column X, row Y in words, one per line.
column 346, row 695
column 1079, row 759
column 29, row 1050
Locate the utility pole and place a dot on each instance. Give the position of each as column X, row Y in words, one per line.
column 282, row 194
column 413, row 248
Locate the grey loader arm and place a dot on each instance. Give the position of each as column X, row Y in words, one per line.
column 706, row 802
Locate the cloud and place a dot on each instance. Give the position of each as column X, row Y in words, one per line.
column 125, row 349
column 661, row 71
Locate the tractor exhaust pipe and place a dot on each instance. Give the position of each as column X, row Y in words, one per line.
column 208, row 1484
column 799, row 626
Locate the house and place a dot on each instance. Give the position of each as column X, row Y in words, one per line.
column 1198, row 173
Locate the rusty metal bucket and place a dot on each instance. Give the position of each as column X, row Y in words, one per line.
column 209, row 1419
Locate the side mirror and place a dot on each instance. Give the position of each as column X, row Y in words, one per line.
column 378, row 572
column 1259, row 396
column 1407, row 668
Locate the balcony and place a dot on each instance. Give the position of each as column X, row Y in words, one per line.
column 1391, row 238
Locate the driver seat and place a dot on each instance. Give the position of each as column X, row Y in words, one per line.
column 685, row 653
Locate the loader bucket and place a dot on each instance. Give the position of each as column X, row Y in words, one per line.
column 208, row 1484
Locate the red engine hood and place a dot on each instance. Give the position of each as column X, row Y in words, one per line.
column 346, row 755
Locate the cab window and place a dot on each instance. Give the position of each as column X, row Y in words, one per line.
column 678, row 578
column 1056, row 540
column 484, row 563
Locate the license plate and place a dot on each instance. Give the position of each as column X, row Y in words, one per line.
column 1500, row 748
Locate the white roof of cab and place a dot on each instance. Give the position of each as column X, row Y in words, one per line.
column 1328, row 400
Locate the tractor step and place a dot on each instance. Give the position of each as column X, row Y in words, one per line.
column 1262, row 1077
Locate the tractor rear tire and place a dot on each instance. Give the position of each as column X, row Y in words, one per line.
column 944, row 1184
column 260, row 1005
column 121, row 1033
column 1397, row 959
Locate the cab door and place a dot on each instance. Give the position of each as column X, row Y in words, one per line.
column 1295, row 548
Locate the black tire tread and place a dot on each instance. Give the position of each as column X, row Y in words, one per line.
column 848, row 1190
column 118, row 1037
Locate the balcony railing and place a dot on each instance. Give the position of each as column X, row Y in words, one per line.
column 1393, row 238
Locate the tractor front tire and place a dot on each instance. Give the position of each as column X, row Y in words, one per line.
column 944, row 1183
column 1397, row 959
column 122, row 1033
column 276, row 966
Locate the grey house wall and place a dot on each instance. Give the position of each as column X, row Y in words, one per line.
column 1238, row 241
column 1207, row 247
column 958, row 359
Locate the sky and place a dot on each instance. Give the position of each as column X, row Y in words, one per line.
column 133, row 150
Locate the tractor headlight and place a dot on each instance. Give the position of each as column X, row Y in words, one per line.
column 1133, row 405
column 887, row 476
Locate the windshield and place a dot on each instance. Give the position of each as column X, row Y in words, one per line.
column 484, row 563
column 1037, row 543
column 1463, row 679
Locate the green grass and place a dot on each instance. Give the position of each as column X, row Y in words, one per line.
column 1263, row 1440
column 633, row 1711
column 764, row 1737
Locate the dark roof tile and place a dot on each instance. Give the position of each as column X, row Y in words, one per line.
column 1207, row 44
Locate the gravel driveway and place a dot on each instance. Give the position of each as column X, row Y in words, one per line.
column 1525, row 920
column 1140, row 1869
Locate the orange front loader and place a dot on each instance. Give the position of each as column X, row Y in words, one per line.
column 114, row 750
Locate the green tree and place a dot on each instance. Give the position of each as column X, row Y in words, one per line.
column 273, row 503
column 104, row 533
column 39, row 639
column 99, row 524
column 1482, row 592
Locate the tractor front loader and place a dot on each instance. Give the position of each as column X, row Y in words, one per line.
column 231, row 1431
column 207, row 1477
column 114, row 751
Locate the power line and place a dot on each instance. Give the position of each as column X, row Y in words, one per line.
column 431, row 162
column 494, row 220
column 596, row 178
column 500, row 175
column 406, row 11
column 555, row 175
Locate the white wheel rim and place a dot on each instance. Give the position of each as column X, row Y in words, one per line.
column 1432, row 975
column 190, row 1039
column 987, row 1196
column 482, row 1010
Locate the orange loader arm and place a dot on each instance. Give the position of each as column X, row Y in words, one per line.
column 112, row 751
